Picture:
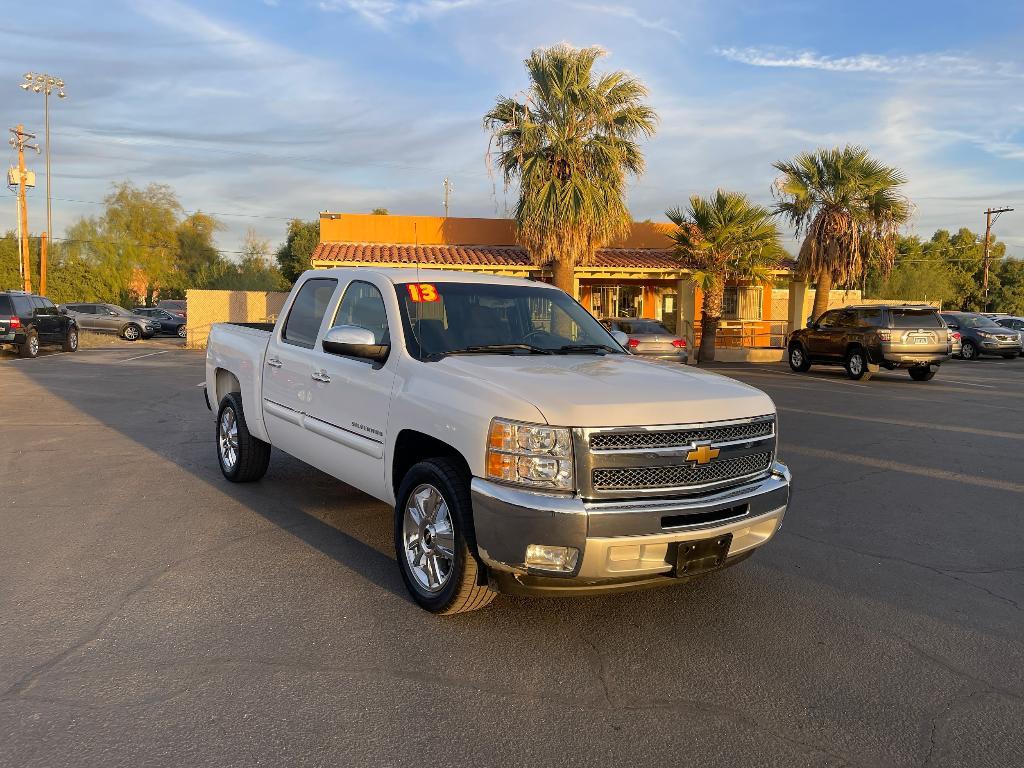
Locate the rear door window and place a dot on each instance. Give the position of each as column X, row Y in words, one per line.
column 914, row 318
column 871, row 317
column 22, row 306
column 307, row 312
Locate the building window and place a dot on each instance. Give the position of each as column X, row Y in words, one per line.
column 743, row 303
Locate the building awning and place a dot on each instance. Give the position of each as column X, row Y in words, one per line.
column 497, row 256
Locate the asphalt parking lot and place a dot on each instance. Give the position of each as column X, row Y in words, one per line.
column 152, row 614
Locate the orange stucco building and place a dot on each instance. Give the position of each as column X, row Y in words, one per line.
column 640, row 276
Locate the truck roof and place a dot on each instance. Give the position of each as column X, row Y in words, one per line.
column 421, row 275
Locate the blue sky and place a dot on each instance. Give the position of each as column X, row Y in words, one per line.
column 264, row 111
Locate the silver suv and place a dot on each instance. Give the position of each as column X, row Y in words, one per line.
column 110, row 318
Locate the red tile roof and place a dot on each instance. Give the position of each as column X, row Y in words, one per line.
column 490, row 256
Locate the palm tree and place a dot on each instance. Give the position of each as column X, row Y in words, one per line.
column 725, row 237
column 570, row 142
column 847, row 206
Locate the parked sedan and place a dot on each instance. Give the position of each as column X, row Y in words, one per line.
column 649, row 338
column 980, row 335
column 171, row 324
column 1012, row 322
column 110, row 318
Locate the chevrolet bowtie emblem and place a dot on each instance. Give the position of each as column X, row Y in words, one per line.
column 703, row 454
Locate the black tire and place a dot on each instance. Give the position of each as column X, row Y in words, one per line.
column 251, row 456
column 923, row 372
column 802, row 363
column 182, row 333
column 30, row 348
column 458, row 590
column 131, row 332
column 857, row 364
column 71, row 340
column 968, row 351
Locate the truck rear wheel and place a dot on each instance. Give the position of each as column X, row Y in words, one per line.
column 430, row 517
column 857, row 365
column 241, row 456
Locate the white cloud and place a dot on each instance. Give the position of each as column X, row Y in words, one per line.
column 940, row 64
column 631, row 14
column 381, row 13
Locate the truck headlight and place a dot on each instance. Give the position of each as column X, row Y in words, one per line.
column 533, row 455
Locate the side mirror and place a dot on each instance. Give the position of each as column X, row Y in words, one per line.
column 62, row 310
column 812, row 325
column 621, row 338
column 112, row 313
column 353, row 341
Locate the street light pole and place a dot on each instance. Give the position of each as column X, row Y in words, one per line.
column 40, row 82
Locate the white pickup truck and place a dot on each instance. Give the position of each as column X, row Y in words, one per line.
column 523, row 449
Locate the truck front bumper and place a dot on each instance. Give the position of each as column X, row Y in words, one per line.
column 621, row 544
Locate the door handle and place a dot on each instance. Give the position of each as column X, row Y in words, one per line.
column 273, row 362
column 321, row 376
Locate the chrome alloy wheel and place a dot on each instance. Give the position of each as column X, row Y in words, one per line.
column 33, row 345
column 131, row 333
column 796, row 357
column 856, row 364
column 429, row 538
column 227, row 439
column 73, row 340
column 182, row 332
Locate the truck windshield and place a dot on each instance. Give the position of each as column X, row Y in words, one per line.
column 451, row 318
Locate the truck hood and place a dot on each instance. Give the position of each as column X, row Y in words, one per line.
column 612, row 390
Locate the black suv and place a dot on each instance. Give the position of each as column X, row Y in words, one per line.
column 866, row 338
column 29, row 322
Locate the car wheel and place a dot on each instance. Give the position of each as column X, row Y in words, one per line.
column 131, row 332
column 968, row 351
column 922, row 372
column 857, row 364
column 242, row 457
column 31, row 346
column 71, row 340
column 436, row 565
column 182, row 333
column 798, row 360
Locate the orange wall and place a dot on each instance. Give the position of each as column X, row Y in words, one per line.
column 437, row 230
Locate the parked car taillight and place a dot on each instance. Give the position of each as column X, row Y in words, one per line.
column 14, row 322
column 633, row 343
column 679, row 343
column 956, row 334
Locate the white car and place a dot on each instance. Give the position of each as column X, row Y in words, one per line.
column 522, row 448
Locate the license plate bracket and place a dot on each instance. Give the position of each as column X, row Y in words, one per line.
column 696, row 557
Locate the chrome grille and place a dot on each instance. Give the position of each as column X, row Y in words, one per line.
column 635, row 478
column 627, row 441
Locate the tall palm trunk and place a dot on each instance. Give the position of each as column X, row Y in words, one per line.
column 821, row 292
column 710, row 316
column 565, row 274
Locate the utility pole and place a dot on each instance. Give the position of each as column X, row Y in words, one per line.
column 989, row 221
column 17, row 141
column 448, row 188
column 39, row 82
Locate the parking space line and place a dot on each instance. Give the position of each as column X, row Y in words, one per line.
column 909, row 469
column 905, row 423
column 969, row 383
column 148, row 354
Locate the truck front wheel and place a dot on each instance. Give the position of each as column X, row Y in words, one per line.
column 437, row 567
column 241, row 456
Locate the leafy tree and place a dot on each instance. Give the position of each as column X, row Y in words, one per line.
column 255, row 272
column 1009, row 297
column 198, row 262
column 380, row 212
column 725, row 236
column 295, row 256
column 847, row 206
column 570, row 144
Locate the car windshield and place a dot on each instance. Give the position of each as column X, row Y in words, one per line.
column 915, row 318
column 978, row 321
column 455, row 318
column 641, row 327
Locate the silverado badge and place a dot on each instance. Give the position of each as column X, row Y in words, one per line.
column 703, row 454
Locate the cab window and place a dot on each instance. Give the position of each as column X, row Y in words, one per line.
column 363, row 306
column 307, row 312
